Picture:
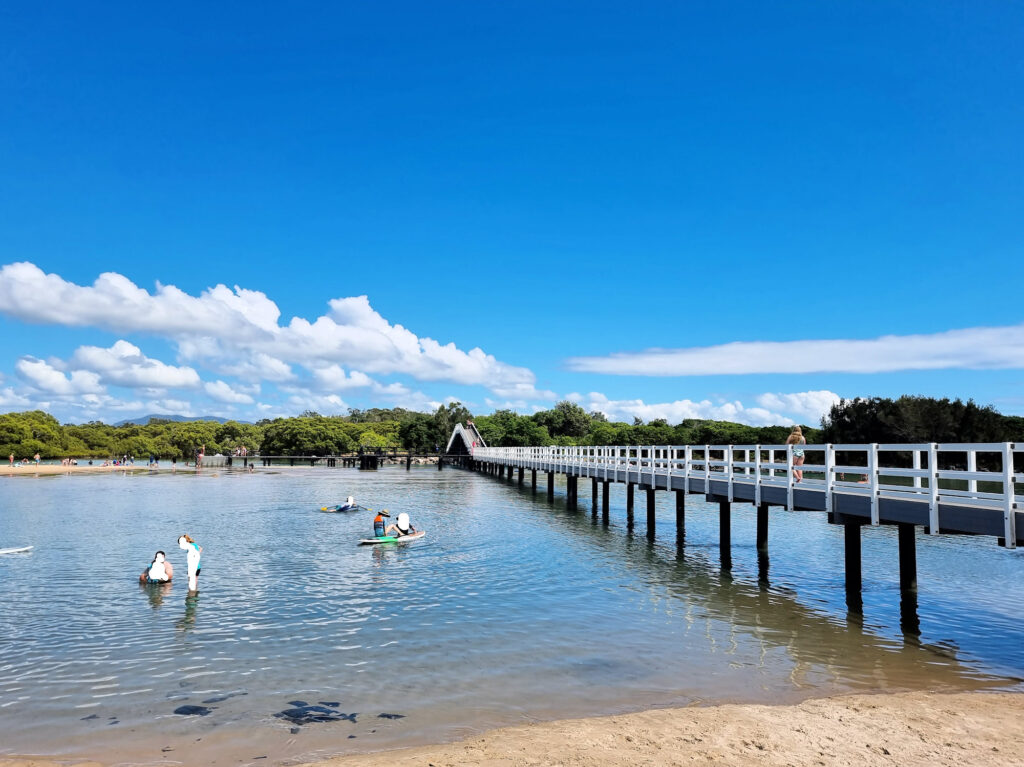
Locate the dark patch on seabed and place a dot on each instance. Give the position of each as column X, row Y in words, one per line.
column 193, row 710
column 307, row 713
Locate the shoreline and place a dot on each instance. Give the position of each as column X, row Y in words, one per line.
column 49, row 469
column 905, row 728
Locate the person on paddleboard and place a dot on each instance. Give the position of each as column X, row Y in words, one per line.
column 378, row 524
column 159, row 571
column 401, row 527
column 186, row 543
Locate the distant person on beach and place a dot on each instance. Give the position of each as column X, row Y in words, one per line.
column 378, row 524
column 186, row 543
column 11, row 459
column 797, row 440
column 401, row 527
column 159, row 571
column 36, row 458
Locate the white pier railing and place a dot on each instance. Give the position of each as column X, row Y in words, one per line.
column 972, row 475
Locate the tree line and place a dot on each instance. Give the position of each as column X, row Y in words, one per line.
column 35, row 431
column 903, row 420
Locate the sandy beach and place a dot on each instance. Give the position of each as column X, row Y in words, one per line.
column 918, row 728
column 978, row 729
column 47, row 469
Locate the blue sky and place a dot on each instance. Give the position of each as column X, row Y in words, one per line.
column 509, row 204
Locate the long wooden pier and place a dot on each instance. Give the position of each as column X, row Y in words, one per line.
column 365, row 460
column 971, row 489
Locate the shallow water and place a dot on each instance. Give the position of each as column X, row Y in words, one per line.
column 511, row 609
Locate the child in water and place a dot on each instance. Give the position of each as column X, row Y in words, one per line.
column 159, row 571
column 194, row 550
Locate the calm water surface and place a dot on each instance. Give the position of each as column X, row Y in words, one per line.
column 512, row 609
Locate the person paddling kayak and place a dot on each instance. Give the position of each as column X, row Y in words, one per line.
column 378, row 523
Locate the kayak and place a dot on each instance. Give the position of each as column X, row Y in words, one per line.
column 18, row 550
column 392, row 539
column 336, row 509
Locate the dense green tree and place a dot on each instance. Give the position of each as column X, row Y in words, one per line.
column 566, row 419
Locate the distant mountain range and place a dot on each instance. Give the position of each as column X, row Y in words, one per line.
column 142, row 420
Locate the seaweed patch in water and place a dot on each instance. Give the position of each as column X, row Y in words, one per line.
column 193, row 710
column 391, row 716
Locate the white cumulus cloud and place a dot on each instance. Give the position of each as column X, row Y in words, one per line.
column 222, row 392
column 810, row 406
column 46, row 378
column 240, row 328
column 124, row 364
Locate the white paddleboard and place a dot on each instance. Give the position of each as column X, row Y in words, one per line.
column 18, row 550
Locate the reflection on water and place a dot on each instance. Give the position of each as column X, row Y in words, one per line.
column 512, row 608
column 188, row 620
column 155, row 592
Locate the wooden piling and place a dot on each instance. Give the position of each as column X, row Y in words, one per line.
column 908, row 557
column 851, row 540
column 604, row 501
column 680, row 515
column 762, row 526
column 725, row 534
column 551, row 485
column 651, row 500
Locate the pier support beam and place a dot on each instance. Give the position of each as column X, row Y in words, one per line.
column 604, row 501
column 650, row 512
column 908, row 558
column 629, row 505
column 533, row 479
column 571, row 489
column 762, row 526
column 680, row 516
column 854, row 581
column 522, row 474
column 551, row 485
column 725, row 534
column 440, row 463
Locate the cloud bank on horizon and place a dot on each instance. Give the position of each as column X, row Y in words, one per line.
column 235, row 357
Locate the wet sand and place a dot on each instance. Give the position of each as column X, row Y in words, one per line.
column 919, row 728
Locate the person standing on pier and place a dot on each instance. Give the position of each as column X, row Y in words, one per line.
column 797, row 440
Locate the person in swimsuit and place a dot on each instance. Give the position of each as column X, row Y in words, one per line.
column 195, row 551
column 378, row 524
column 401, row 527
column 159, row 571
column 797, row 440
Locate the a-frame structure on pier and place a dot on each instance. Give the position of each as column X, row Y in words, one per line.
column 464, row 440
